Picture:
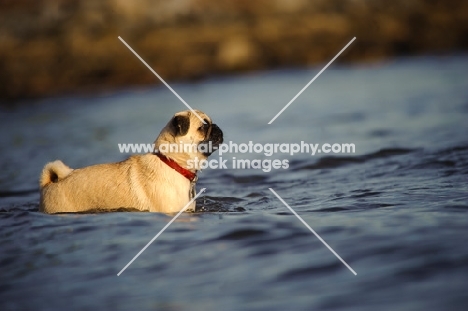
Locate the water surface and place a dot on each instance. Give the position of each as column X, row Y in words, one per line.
column 396, row 211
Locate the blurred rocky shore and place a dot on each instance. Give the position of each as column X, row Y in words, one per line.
column 52, row 47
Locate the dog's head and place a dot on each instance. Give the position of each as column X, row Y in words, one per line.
column 190, row 136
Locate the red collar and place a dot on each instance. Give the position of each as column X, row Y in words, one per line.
column 171, row 163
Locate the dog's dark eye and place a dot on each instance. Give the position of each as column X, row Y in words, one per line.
column 204, row 127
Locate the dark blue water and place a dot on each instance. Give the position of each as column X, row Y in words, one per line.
column 396, row 211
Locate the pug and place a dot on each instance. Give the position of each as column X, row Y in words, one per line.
column 161, row 181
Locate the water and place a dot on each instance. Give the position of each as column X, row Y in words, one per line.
column 396, row 211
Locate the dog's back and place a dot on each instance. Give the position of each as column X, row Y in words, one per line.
column 142, row 182
column 54, row 172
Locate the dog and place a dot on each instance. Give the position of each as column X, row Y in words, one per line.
column 161, row 181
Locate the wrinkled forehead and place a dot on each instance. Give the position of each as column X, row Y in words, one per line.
column 193, row 117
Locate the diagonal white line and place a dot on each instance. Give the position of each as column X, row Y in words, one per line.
column 160, row 232
column 162, row 80
column 315, row 233
column 316, row 76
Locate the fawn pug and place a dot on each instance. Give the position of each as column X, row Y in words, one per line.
column 155, row 182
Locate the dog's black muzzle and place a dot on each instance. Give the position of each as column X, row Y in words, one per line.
column 216, row 138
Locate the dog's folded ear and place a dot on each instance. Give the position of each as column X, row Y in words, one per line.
column 181, row 125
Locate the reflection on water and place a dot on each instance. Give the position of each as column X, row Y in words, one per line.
column 395, row 211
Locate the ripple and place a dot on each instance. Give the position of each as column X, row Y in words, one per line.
column 333, row 209
column 219, row 204
column 242, row 234
column 17, row 193
column 338, row 161
column 248, row 179
column 365, row 194
column 306, row 272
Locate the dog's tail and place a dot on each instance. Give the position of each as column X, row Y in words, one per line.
column 53, row 172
